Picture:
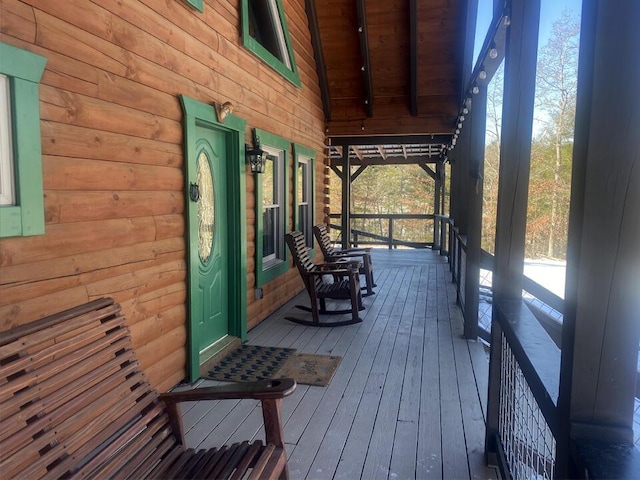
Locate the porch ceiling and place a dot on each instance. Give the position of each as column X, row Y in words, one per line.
column 391, row 67
column 397, row 154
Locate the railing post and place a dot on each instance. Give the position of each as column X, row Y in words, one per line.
column 390, row 233
column 493, row 397
column 355, row 238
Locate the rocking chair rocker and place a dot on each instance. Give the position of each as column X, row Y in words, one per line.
column 345, row 287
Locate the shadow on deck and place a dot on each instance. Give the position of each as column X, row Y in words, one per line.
column 407, row 402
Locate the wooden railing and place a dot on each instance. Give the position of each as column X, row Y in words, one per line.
column 523, row 417
column 391, row 238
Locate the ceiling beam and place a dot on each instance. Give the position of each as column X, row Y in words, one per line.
column 366, row 58
column 413, row 56
column 336, row 162
column 318, row 54
column 441, row 139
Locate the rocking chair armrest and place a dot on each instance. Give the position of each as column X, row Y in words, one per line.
column 339, row 271
column 261, row 390
column 352, row 251
column 340, row 264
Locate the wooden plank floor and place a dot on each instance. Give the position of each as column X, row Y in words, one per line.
column 407, row 401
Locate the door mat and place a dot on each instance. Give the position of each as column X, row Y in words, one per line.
column 310, row 369
column 249, row 363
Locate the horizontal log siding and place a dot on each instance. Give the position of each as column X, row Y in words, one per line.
column 113, row 163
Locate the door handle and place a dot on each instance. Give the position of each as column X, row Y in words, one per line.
column 194, row 192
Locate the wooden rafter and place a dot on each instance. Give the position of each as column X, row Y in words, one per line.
column 404, row 151
column 417, row 160
column 357, row 151
column 382, row 153
column 318, row 53
column 366, row 58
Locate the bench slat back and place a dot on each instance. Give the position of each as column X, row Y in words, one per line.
column 74, row 402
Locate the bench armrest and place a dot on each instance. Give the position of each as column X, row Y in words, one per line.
column 269, row 392
column 263, row 389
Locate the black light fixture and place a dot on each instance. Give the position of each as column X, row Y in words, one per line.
column 255, row 155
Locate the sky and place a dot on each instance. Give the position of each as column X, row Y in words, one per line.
column 549, row 12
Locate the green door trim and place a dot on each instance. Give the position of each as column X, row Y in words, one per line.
column 200, row 114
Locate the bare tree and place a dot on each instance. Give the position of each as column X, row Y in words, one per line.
column 556, row 85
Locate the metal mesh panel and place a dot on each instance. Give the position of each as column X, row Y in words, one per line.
column 485, row 299
column 528, row 443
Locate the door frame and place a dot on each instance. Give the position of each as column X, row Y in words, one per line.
column 200, row 114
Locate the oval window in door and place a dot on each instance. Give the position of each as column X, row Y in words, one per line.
column 206, row 208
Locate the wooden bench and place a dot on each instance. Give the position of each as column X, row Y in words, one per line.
column 74, row 403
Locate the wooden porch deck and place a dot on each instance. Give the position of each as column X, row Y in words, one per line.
column 407, row 401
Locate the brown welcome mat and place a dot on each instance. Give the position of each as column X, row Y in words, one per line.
column 249, row 363
column 310, row 369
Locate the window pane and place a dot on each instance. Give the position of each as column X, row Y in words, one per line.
column 206, row 208
column 302, row 183
column 269, row 232
column 6, row 155
column 269, row 181
column 265, row 27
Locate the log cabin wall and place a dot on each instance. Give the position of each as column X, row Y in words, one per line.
column 112, row 154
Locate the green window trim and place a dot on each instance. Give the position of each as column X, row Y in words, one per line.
column 197, row 4
column 302, row 151
column 24, row 70
column 251, row 44
column 277, row 269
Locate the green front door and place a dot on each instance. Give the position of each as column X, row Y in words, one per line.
column 208, row 242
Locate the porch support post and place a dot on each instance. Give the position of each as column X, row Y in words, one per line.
column 602, row 295
column 346, row 197
column 515, row 159
column 476, row 130
column 443, row 227
column 436, row 206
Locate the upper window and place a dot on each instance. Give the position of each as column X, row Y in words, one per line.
column 265, row 33
column 6, row 150
column 21, row 195
column 304, row 188
column 271, row 209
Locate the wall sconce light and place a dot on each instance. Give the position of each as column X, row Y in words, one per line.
column 224, row 111
column 255, row 155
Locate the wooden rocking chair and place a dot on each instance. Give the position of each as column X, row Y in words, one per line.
column 345, row 287
column 333, row 255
